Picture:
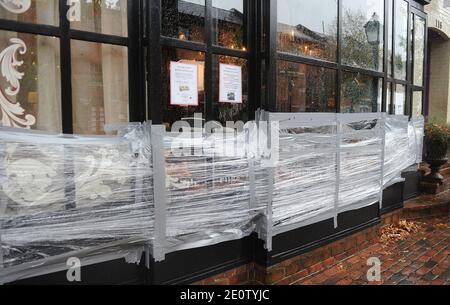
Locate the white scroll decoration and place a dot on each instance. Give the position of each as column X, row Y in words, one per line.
column 13, row 115
column 16, row 6
column 93, row 181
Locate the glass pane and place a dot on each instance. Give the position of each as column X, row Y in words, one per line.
column 99, row 86
column 362, row 33
column 228, row 20
column 360, row 93
column 229, row 111
column 31, row 11
column 417, row 103
column 400, row 100
column 103, row 17
column 301, row 32
column 390, row 36
column 183, row 19
column 173, row 113
column 304, row 88
column 419, row 50
column 30, row 84
column 401, row 39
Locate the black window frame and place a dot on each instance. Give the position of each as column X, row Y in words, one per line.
column 65, row 34
column 145, row 44
column 157, row 41
column 273, row 55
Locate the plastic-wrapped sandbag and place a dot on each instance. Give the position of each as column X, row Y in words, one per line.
column 72, row 196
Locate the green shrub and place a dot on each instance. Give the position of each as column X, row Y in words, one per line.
column 437, row 140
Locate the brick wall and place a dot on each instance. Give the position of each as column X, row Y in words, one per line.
column 299, row 267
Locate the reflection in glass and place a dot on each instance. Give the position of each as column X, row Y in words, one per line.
column 417, row 103
column 305, row 88
column 225, row 112
column 390, row 41
column 173, row 113
column 39, row 11
column 360, row 93
column 399, row 100
column 302, row 32
column 183, row 19
column 31, row 100
column 401, row 39
column 99, row 17
column 419, row 50
column 99, row 86
column 362, row 33
column 228, row 20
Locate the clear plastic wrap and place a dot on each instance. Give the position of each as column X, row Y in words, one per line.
column 100, row 198
column 328, row 163
column 417, row 133
column 399, row 141
column 305, row 175
column 208, row 189
column 72, row 196
column 361, row 145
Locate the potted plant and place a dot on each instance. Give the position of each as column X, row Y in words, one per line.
column 437, row 140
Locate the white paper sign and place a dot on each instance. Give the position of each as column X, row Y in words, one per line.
column 230, row 84
column 183, row 84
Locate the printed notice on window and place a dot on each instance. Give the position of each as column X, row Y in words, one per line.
column 230, row 85
column 183, row 84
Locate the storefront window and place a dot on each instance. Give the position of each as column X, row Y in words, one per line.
column 173, row 112
column 401, row 39
column 301, row 32
column 102, row 17
column 305, row 88
column 417, row 104
column 228, row 20
column 400, row 100
column 30, row 94
column 233, row 107
column 31, row 11
column 360, row 93
column 183, row 19
column 99, row 86
column 362, row 33
column 390, row 41
column 419, row 50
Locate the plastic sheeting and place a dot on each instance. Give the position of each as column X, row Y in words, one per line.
column 208, row 189
column 328, row 163
column 99, row 198
column 72, row 196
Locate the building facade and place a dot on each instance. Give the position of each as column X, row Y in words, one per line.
column 91, row 64
column 82, row 66
column 439, row 60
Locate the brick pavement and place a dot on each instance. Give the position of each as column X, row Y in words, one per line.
column 420, row 259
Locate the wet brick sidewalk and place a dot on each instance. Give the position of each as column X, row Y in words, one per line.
column 421, row 259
